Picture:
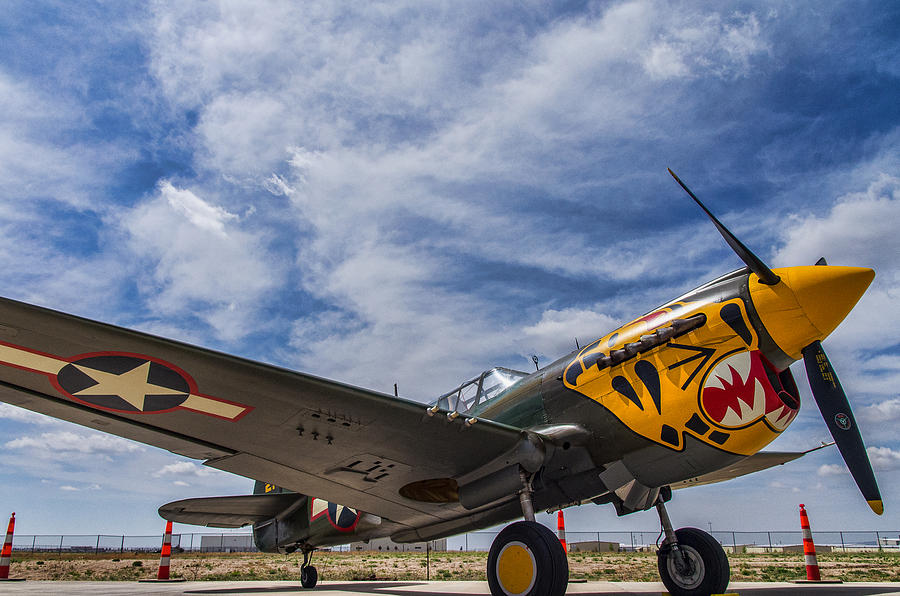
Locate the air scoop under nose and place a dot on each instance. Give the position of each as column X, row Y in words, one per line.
column 808, row 303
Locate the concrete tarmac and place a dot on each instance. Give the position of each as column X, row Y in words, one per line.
column 417, row 588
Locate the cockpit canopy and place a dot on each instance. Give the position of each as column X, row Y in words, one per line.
column 475, row 392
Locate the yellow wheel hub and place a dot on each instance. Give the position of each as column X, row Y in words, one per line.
column 516, row 569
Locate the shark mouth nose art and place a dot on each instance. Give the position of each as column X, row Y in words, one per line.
column 743, row 388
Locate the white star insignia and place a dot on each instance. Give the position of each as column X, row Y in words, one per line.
column 339, row 509
column 132, row 386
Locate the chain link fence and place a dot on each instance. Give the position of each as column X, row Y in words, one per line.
column 732, row 541
column 103, row 543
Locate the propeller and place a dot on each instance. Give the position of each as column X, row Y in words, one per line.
column 823, row 381
column 766, row 275
column 835, row 409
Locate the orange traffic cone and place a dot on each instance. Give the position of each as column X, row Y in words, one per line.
column 809, row 548
column 6, row 553
column 809, row 553
column 164, row 558
column 561, row 530
column 162, row 575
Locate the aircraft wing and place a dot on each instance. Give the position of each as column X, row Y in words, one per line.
column 753, row 463
column 300, row 432
column 228, row 512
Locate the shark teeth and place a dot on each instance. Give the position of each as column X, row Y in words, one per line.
column 737, row 393
column 748, row 412
column 740, row 363
column 781, row 417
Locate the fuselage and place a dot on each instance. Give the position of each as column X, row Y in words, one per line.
column 689, row 388
column 694, row 385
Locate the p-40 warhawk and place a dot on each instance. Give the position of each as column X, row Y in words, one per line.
column 687, row 394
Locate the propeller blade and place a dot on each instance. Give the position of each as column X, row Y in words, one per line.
column 832, row 402
column 821, row 261
column 766, row 275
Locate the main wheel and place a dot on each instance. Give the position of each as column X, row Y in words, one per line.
column 526, row 559
column 699, row 565
column 308, row 576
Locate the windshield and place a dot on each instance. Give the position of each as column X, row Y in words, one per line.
column 474, row 392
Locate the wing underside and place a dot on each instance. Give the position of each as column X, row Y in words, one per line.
column 753, row 463
column 306, row 434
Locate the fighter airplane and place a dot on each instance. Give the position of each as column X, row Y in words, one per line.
column 686, row 394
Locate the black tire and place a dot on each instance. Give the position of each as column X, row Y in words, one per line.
column 525, row 548
column 309, row 577
column 707, row 570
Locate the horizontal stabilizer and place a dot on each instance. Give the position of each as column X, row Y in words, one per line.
column 228, row 512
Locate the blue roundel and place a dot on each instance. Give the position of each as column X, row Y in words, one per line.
column 343, row 517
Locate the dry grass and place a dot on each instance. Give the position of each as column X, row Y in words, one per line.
column 361, row 566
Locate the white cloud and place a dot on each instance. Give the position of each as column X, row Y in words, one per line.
column 859, row 229
column 71, row 488
column 832, row 470
column 66, row 442
column 10, row 412
column 717, row 45
column 556, row 331
column 664, row 61
column 38, row 158
column 199, row 212
column 882, row 412
column 884, row 458
column 368, row 128
column 778, row 485
column 202, row 260
column 184, row 468
column 425, row 189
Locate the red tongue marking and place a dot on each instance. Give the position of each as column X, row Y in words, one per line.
column 717, row 401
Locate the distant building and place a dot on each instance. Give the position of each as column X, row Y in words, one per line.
column 593, row 546
column 386, row 544
column 225, row 543
column 798, row 548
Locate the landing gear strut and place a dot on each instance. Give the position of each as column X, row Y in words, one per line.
column 308, row 574
column 690, row 561
column 526, row 558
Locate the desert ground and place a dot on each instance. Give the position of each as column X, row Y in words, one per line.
column 367, row 566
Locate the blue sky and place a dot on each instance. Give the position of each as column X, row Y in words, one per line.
column 413, row 192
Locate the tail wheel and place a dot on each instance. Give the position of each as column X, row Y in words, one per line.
column 308, row 576
column 526, row 559
column 698, row 566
